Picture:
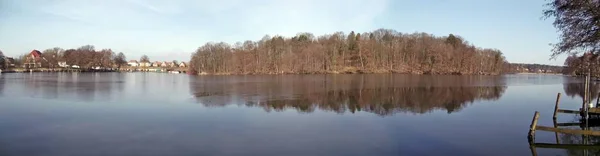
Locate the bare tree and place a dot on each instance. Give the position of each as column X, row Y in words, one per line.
column 120, row 60
column 579, row 24
column 576, row 65
column 3, row 62
column 104, row 58
column 144, row 58
column 51, row 57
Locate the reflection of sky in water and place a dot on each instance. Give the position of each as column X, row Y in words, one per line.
column 158, row 114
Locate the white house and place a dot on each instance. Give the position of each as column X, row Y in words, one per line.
column 182, row 64
column 156, row 64
column 172, row 64
column 63, row 64
column 133, row 63
column 144, row 64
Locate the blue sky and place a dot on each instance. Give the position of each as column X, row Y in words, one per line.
column 173, row 29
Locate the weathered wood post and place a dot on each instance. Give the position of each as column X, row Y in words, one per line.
column 556, row 106
column 556, row 133
column 584, row 106
column 531, row 136
column 533, row 150
column 585, row 91
column 598, row 100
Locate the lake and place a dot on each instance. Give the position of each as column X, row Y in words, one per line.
column 62, row 114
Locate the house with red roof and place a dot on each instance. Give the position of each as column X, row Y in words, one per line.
column 34, row 59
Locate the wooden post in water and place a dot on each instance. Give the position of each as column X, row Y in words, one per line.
column 556, row 106
column 587, row 99
column 556, row 133
column 585, row 89
column 533, row 150
column 584, row 110
column 531, row 136
column 598, row 100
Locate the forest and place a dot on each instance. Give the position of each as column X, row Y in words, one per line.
column 379, row 51
column 581, row 65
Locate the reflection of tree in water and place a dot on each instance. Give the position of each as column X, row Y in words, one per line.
column 81, row 86
column 575, row 87
column 2, row 84
column 380, row 94
column 578, row 139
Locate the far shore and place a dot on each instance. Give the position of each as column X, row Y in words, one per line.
column 123, row 69
column 539, row 73
column 185, row 70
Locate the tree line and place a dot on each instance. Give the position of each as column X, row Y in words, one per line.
column 379, row 51
column 532, row 68
column 581, row 65
column 85, row 57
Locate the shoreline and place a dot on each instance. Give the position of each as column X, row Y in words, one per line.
column 339, row 73
column 71, row 70
column 180, row 71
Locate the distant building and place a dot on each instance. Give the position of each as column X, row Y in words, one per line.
column 33, row 60
column 63, row 64
column 182, row 64
column 164, row 64
column 9, row 61
column 144, row 64
column 156, row 64
column 133, row 63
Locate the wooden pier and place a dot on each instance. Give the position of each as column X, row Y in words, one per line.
column 535, row 127
column 584, row 112
column 589, row 117
column 584, row 132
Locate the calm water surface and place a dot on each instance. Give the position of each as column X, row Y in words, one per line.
column 62, row 114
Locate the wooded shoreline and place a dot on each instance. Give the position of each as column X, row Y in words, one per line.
column 379, row 51
column 348, row 72
column 181, row 70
